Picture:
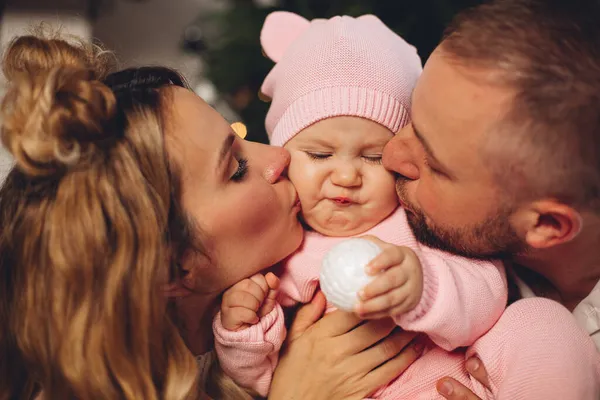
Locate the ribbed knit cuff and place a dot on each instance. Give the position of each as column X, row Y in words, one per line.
column 251, row 334
column 430, row 290
column 339, row 101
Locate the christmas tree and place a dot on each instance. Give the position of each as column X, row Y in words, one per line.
column 236, row 66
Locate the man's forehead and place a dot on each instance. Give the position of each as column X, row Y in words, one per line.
column 453, row 102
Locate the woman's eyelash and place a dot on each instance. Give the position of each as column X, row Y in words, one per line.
column 241, row 171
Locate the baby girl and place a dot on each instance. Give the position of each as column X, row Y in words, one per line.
column 340, row 90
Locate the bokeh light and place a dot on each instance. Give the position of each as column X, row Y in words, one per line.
column 240, row 129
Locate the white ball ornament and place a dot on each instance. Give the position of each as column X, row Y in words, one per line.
column 343, row 272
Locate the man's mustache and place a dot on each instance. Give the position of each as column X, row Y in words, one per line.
column 401, row 182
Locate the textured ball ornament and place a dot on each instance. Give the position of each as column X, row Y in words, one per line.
column 343, row 272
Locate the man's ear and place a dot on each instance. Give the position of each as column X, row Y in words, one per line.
column 547, row 223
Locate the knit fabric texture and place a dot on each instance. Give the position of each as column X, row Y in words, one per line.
column 343, row 66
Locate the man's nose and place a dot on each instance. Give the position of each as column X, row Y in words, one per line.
column 398, row 157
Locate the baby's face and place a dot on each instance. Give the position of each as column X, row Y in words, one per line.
column 336, row 168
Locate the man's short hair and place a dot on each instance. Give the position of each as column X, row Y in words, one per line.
column 548, row 52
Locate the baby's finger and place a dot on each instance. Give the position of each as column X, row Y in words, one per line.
column 383, row 303
column 256, row 286
column 268, row 304
column 238, row 317
column 272, row 281
column 402, row 308
column 376, row 315
column 391, row 279
column 270, row 300
column 393, row 312
column 241, row 299
column 393, row 255
column 260, row 280
column 245, row 315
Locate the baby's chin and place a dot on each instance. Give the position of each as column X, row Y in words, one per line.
column 337, row 225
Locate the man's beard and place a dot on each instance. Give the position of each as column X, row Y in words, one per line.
column 493, row 238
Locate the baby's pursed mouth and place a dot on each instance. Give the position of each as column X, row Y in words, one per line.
column 343, row 201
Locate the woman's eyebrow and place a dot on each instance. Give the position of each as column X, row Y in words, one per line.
column 227, row 143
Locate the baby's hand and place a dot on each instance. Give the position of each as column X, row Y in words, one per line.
column 398, row 287
column 248, row 300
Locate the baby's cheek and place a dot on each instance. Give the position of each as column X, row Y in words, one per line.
column 385, row 188
column 391, row 197
column 307, row 181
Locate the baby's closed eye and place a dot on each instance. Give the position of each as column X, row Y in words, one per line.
column 318, row 155
column 372, row 158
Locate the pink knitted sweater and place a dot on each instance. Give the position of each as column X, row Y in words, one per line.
column 462, row 299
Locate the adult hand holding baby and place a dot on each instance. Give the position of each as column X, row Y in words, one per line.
column 451, row 389
column 395, row 284
column 339, row 356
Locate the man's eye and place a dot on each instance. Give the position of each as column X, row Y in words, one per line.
column 318, row 156
column 241, row 171
column 432, row 169
column 374, row 159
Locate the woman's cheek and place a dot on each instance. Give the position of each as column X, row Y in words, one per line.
column 262, row 207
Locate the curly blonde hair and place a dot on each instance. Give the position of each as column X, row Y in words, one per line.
column 89, row 220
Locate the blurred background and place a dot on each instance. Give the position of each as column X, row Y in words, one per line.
column 213, row 43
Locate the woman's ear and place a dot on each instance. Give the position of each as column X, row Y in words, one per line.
column 189, row 279
column 176, row 289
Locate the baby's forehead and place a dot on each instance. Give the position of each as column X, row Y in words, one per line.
column 319, row 135
column 329, row 133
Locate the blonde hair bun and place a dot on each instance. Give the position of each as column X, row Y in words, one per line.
column 56, row 111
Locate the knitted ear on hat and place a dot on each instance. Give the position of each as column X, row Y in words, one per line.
column 372, row 19
column 369, row 17
column 280, row 29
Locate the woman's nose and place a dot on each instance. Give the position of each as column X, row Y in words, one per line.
column 346, row 175
column 277, row 159
column 398, row 157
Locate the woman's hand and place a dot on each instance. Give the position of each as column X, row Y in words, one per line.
column 454, row 390
column 338, row 357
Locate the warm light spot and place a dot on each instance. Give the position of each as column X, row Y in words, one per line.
column 240, row 129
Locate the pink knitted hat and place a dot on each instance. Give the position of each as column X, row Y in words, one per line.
column 341, row 66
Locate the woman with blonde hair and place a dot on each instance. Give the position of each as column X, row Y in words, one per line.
column 126, row 183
